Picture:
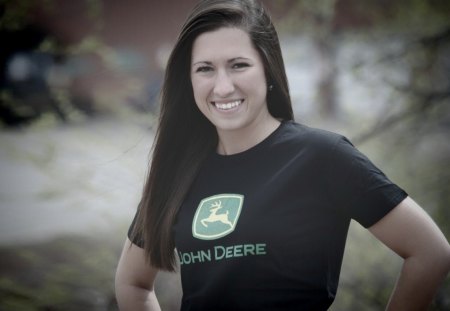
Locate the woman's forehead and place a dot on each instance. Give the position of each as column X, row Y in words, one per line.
column 224, row 42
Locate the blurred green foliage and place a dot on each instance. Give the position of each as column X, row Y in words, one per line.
column 68, row 273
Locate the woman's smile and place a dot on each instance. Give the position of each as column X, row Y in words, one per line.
column 228, row 106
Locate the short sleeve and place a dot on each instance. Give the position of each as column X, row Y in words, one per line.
column 135, row 238
column 358, row 187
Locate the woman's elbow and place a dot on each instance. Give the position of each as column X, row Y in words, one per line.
column 446, row 257
column 438, row 259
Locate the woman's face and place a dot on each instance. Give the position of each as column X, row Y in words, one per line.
column 228, row 79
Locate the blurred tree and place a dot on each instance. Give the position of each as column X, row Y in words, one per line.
column 327, row 21
column 32, row 59
column 315, row 19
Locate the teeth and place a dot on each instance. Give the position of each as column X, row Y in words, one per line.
column 227, row 106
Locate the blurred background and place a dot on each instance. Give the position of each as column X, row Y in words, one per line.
column 79, row 87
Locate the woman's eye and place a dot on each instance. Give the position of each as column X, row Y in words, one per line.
column 240, row 65
column 203, row 69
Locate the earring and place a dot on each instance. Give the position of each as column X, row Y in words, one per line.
column 270, row 87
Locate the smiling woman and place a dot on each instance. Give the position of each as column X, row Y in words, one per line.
column 230, row 88
column 256, row 205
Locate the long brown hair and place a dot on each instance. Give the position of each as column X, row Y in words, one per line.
column 184, row 136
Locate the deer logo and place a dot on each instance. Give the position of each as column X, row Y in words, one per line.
column 213, row 217
column 217, row 216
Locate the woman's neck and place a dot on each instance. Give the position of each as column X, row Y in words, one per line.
column 236, row 141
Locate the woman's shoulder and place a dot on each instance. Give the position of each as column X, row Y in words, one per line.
column 307, row 136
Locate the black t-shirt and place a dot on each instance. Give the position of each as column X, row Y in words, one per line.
column 265, row 229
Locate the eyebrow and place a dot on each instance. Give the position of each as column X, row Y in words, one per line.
column 229, row 61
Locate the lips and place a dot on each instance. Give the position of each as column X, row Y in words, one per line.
column 228, row 105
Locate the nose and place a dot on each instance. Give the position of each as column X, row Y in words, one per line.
column 224, row 85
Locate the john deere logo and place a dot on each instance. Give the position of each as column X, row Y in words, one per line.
column 217, row 216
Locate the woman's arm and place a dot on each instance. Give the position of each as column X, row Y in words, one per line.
column 135, row 281
column 412, row 234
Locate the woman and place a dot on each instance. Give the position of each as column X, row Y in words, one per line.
column 256, row 205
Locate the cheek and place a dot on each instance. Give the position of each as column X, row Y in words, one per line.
column 197, row 86
column 257, row 75
column 255, row 85
column 198, row 90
